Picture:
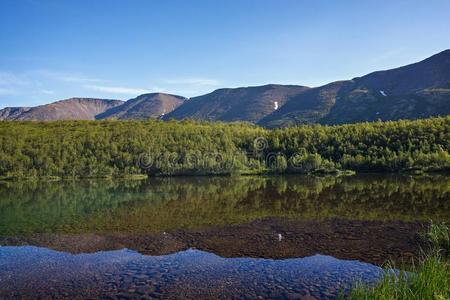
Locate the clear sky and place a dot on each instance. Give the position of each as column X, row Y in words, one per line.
column 56, row 49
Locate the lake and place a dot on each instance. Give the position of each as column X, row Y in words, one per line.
column 294, row 237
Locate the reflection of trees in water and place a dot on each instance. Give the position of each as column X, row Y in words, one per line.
column 165, row 203
column 372, row 197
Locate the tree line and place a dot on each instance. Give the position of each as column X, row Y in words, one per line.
column 124, row 148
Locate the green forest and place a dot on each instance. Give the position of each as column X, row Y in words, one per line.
column 91, row 149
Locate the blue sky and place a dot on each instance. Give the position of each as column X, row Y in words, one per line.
column 56, row 49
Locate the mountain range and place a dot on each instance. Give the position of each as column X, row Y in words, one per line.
column 250, row 104
column 414, row 91
column 145, row 106
column 70, row 109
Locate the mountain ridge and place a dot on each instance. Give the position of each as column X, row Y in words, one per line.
column 151, row 105
column 249, row 104
column 417, row 90
column 67, row 109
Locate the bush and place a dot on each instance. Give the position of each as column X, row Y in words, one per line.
column 116, row 148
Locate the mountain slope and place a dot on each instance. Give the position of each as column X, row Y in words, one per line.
column 11, row 113
column 144, row 107
column 305, row 108
column 70, row 109
column 418, row 90
column 238, row 104
column 414, row 91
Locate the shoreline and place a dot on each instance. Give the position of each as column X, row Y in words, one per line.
column 244, row 174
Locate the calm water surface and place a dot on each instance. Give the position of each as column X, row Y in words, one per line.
column 293, row 237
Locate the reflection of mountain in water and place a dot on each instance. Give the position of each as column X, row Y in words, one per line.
column 276, row 238
column 174, row 203
column 193, row 274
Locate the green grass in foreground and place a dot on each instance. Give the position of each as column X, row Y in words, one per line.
column 430, row 279
column 439, row 237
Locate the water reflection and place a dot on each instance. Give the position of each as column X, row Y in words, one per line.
column 31, row 272
column 288, row 237
column 173, row 203
column 369, row 241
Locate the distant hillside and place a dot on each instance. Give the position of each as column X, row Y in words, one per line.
column 70, row 109
column 249, row 104
column 305, row 108
column 418, row 90
column 11, row 113
column 144, row 107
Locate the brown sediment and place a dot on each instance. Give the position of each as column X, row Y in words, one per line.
column 277, row 238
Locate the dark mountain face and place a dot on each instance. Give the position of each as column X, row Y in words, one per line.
column 418, row 90
column 307, row 107
column 11, row 113
column 433, row 72
column 249, row 104
column 145, row 106
column 70, row 109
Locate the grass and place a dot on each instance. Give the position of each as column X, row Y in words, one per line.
column 429, row 279
column 439, row 237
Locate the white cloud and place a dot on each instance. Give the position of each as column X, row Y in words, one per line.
column 13, row 84
column 7, row 91
column 72, row 78
column 193, row 81
column 65, row 77
column 9, row 79
column 47, row 92
column 116, row 89
column 22, row 83
column 45, row 83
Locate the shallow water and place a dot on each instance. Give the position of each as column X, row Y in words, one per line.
column 189, row 273
column 247, row 237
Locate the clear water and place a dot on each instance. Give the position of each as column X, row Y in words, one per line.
column 293, row 237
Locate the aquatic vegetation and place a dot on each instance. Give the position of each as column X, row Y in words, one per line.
column 439, row 237
column 429, row 279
